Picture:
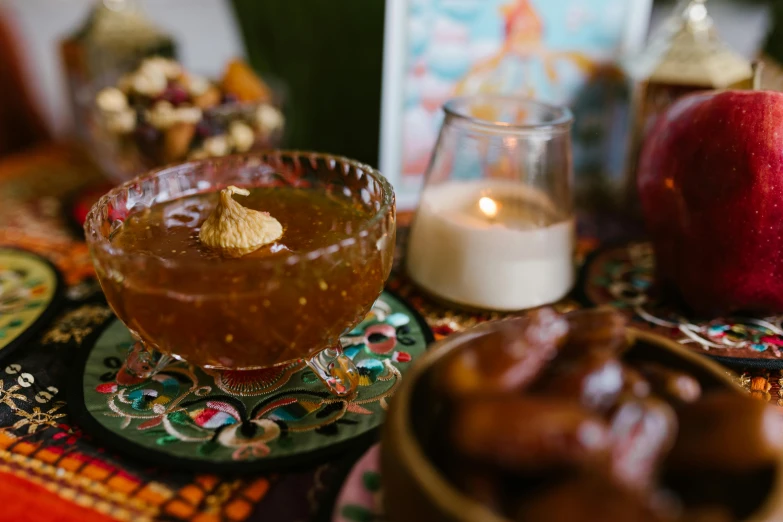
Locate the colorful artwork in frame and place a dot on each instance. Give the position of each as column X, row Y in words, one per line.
column 557, row 51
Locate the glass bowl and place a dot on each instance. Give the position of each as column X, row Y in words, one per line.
column 251, row 312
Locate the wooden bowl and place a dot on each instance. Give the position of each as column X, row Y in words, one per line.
column 415, row 490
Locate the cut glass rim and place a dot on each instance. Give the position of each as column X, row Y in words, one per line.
column 96, row 240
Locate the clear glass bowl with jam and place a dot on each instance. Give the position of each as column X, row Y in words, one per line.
column 288, row 300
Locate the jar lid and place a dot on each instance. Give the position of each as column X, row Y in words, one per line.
column 688, row 51
column 119, row 24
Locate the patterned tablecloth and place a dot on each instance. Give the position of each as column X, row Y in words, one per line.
column 51, row 470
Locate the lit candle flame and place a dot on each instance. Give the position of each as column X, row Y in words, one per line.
column 488, row 206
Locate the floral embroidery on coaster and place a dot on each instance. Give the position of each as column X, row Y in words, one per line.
column 29, row 289
column 210, row 417
column 623, row 277
column 255, row 382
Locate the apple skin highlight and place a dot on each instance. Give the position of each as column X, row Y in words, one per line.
column 710, row 182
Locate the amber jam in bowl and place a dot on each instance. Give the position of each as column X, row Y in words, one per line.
column 289, row 300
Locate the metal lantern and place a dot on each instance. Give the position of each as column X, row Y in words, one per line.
column 685, row 56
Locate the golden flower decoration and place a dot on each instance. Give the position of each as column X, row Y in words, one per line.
column 8, row 396
column 77, row 324
column 37, row 418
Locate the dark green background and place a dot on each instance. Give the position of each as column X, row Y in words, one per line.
column 328, row 55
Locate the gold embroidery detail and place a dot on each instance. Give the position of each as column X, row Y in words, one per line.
column 77, row 324
column 7, row 396
column 743, row 380
column 37, row 418
column 222, row 494
column 780, row 389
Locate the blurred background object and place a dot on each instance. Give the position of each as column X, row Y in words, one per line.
column 159, row 113
column 205, row 31
column 562, row 53
column 773, row 46
column 113, row 38
column 21, row 125
column 312, row 45
column 685, row 55
column 772, row 52
column 742, row 24
column 329, row 56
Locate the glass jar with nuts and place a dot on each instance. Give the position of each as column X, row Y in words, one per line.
column 160, row 114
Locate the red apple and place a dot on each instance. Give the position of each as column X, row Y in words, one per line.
column 711, row 187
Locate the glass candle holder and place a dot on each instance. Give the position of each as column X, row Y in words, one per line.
column 495, row 225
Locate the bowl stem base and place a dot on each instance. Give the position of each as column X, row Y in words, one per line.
column 142, row 362
column 336, row 371
column 330, row 365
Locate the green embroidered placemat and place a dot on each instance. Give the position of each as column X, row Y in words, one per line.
column 30, row 290
column 246, row 420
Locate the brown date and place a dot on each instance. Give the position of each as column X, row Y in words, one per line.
column 729, row 432
column 595, row 379
column 707, row 514
column 674, row 385
column 634, row 384
column 505, row 361
column 600, row 329
column 483, row 485
column 522, row 434
column 588, row 498
column 642, row 432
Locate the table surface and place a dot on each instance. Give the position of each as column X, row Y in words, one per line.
column 36, row 189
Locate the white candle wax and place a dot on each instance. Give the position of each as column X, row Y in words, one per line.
column 494, row 253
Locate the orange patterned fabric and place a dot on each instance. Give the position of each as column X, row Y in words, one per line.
column 108, row 491
column 24, row 501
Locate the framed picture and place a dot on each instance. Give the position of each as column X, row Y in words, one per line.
column 557, row 51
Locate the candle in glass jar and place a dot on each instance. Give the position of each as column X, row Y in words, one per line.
column 491, row 244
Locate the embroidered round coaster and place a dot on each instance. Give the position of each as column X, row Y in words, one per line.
column 246, row 420
column 30, row 292
column 623, row 276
